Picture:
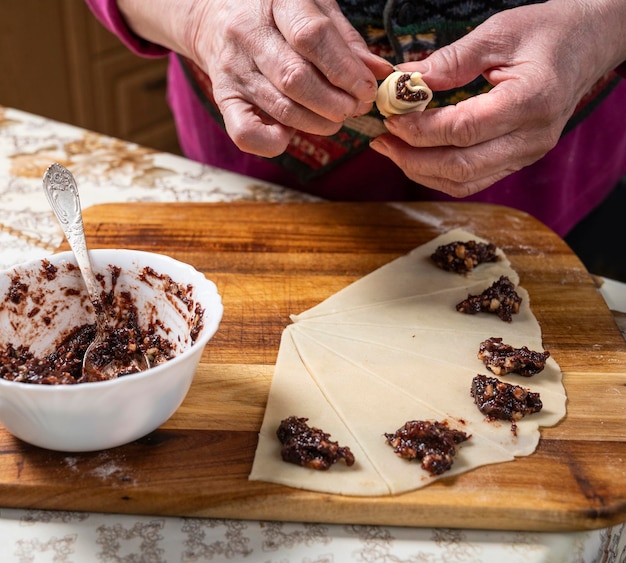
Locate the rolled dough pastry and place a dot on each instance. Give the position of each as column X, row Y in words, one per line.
column 390, row 348
column 403, row 92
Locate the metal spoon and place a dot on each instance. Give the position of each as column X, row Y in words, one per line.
column 62, row 193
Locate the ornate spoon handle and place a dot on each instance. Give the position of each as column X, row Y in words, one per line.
column 62, row 193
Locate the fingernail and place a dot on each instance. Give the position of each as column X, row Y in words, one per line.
column 365, row 91
column 362, row 109
column 379, row 60
column 379, row 146
column 422, row 66
column 390, row 124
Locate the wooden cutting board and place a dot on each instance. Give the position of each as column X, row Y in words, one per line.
column 270, row 260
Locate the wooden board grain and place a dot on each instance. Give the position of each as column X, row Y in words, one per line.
column 271, row 260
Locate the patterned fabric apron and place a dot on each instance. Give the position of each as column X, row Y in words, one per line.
column 399, row 31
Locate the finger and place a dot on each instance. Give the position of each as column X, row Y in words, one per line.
column 470, row 122
column 252, row 94
column 381, row 68
column 254, row 132
column 442, row 184
column 459, row 63
column 456, row 189
column 459, row 171
column 330, row 43
column 294, row 78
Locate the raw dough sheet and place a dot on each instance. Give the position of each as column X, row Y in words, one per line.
column 390, row 348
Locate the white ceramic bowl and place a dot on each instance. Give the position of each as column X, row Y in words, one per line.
column 105, row 414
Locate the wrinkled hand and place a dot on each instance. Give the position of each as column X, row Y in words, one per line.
column 281, row 65
column 541, row 59
column 275, row 65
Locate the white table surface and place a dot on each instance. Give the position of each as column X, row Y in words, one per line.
column 110, row 170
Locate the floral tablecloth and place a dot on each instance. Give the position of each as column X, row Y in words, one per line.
column 110, row 170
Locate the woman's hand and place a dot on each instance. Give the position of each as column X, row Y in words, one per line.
column 541, row 59
column 275, row 65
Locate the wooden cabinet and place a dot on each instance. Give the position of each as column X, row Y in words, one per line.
column 57, row 60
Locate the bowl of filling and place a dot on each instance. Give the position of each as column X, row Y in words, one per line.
column 155, row 306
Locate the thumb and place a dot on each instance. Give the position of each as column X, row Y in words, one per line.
column 454, row 65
